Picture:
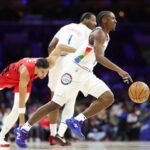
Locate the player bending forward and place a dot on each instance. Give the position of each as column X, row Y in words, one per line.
column 19, row 75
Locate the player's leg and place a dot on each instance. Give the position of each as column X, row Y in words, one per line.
column 102, row 103
column 10, row 120
column 105, row 98
column 53, row 116
column 67, row 112
column 22, row 133
column 59, row 99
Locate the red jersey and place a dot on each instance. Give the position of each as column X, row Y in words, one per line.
column 10, row 76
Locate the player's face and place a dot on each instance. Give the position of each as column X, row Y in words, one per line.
column 112, row 22
column 92, row 22
column 41, row 73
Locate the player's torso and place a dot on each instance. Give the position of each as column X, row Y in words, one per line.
column 73, row 35
column 85, row 55
column 29, row 63
column 10, row 76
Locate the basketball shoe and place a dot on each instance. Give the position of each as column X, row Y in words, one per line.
column 75, row 126
column 21, row 136
column 52, row 140
column 4, row 143
column 62, row 141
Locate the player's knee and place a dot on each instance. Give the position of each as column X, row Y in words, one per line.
column 111, row 96
column 108, row 96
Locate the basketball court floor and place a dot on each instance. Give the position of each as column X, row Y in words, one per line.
column 86, row 146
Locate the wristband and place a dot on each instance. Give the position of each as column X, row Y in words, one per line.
column 22, row 110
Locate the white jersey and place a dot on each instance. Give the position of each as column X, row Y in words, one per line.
column 77, row 76
column 73, row 35
column 85, row 56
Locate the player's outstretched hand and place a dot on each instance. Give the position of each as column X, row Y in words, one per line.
column 125, row 76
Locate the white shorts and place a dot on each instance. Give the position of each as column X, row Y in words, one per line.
column 55, row 72
column 74, row 79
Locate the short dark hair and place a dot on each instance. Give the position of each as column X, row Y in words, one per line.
column 102, row 14
column 42, row 63
column 86, row 15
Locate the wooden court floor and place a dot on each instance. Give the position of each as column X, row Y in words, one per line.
column 86, row 146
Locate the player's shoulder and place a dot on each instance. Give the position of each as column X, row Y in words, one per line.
column 70, row 25
column 81, row 25
column 28, row 61
column 98, row 31
column 84, row 29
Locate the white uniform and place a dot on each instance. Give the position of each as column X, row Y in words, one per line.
column 73, row 36
column 78, row 76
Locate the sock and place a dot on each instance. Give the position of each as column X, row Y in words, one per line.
column 67, row 112
column 62, row 129
column 26, row 126
column 80, row 117
column 53, row 129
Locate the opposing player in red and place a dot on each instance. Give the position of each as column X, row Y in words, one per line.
column 19, row 76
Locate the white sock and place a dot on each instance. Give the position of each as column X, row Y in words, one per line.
column 11, row 119
column 62, row 129
column 26, row 126
column 67, row 112
column 80, row 117
column 53, row 129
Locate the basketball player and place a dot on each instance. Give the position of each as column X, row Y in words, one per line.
column 19, row 75
column 78, row 76
column 70, row 37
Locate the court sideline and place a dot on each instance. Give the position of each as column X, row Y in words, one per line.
column 86, row 146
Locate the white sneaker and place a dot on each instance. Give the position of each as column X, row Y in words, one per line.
column 3, row 143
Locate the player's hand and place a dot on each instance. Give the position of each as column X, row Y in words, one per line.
column 125, row 76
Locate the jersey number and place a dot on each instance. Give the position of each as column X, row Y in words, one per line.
column 69, row 40
column 30, row 60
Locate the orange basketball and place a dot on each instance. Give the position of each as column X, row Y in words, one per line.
column 139, row 92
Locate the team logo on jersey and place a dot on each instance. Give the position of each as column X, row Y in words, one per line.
column 66, row 79
column 85, row 53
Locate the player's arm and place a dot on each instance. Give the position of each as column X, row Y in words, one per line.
column 52, row 44
column 57, row 52
column 99, row 39
column 54, row 41
column 54, row 56
column 23, row 82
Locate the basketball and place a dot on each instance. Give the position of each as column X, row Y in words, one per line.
column 139, row 92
